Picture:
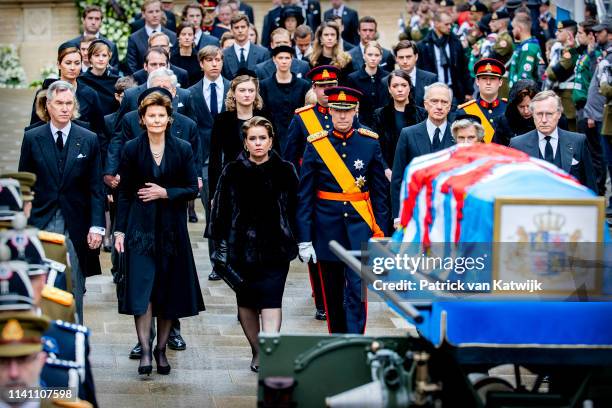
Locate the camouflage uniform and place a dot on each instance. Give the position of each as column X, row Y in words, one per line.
column 525, row 62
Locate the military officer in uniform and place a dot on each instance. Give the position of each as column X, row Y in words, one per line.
column 308, row 120
column 527, row 55
column 343, row 196
column 487, row 106
column 561, row 71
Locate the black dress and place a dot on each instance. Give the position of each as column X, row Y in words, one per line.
column 189, row 63
column 160, row 264
column 254, row 211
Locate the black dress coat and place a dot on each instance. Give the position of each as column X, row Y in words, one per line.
column 189, row 63
column 254, row 210
column 225, row 144
column 157, row 230
column 104, row 86
column 374, row 90
column 384, row 125
column 77, row 191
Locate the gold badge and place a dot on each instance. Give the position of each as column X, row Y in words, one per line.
column 12, row 331
column 494, row 16
column 473, row 8
column 560, row 25
column 325, row 74
column 342, row 96
column 443, row 3
column 488, row 68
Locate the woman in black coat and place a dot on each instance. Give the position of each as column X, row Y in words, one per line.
column 185, row 55
column 241, row 103
column 158, row 178
column 369, row 81
column 100, row 76
column 399, row 113
column 69, row 61
column 252, row 219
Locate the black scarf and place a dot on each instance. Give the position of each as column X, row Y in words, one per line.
column 441, row 43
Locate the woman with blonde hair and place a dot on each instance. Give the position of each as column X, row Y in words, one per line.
column 327, row 50
column 241, row 103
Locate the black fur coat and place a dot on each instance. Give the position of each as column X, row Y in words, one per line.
column 254, row 210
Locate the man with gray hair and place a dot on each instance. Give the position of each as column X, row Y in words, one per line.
column 567, row 150
column 429, row 136
column 68, row 195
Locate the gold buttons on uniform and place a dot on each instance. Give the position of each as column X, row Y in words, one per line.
column 345, row 215
column 343, row 143
column 343, row 155
column 327, row 126
column 344, row 202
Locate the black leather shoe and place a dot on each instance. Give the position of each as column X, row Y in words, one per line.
column 320, row 315
column 136, row 352
column 214, row 276
column 177, row 343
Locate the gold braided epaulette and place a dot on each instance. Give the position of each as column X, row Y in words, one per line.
column 304, row 108
column 316, row 136
column 468, row 103
column 367, row 132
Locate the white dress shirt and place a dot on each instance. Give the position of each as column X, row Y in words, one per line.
column 439, row 65
column 150, row 29
column 196, row 38
column 413, row 77
column 554, row 141
column 206, row 89
column 431, row 129
column 298, row 53
column 65, row 132
column 339, row 11
column 246, row 47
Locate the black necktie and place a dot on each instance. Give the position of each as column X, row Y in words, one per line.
column 59, row 142
column 242, row 60
column 213, row 99
column 548, row 151
column 435, row 144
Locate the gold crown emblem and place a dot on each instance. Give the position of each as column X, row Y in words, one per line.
column 494, row 16
column 342, row 96
column 549, row 221
column 325, row 74
column 443, row 3
column 488, row 68
column 12, row 331
column 473, row 8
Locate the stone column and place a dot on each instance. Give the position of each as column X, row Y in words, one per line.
column 37, row 28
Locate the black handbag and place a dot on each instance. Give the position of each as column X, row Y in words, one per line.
column 219, row 259
column 120, row 279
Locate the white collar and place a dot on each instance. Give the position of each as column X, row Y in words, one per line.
column 553, row 135
column 431, row 128
column 150, row 29
column 413, row 76
column 65, row 130
column 246, row 47
column 340, row 9
column 219, row 82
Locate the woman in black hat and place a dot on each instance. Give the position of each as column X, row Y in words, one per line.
column 158, row 178
column 291, row 17
column 252, row 220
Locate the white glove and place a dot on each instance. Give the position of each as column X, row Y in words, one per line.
column 307, row 252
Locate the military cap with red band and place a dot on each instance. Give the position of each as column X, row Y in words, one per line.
column 209, row 4
column 324, row 74
column 490, row 67
column 342, row 98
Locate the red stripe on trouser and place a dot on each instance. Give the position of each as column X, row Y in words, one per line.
column 324, row 297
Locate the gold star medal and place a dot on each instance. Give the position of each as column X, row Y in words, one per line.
column 360, row 181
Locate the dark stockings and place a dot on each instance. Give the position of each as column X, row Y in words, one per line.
column 249, row 320
column 143, row 331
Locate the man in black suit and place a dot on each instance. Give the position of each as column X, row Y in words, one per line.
column 92, row 22
column 566, row 150
column 266, row 69
column 242, row 54
column 68, row 195
column 441, row 53
column 350, row 20
column 429, row 136
column 312, row 11
column 303, row 42
column 167, row 6
column 206, row 101
column 368, row 31
column 194, row 13
column 272, row 21
column 407, row 54
column 158, row 56
column 138, row 43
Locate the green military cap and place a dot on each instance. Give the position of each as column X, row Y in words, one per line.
column 26, row 182
column 20, row 333
column 566, row 24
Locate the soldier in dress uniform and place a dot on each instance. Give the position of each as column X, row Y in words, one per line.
column 66, row 344
column 561, row 71
column 527, row 56
column 487, row 106
column 308, row 120
column 343, row 196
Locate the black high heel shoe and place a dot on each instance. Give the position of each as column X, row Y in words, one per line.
column 163, row 370
column 146, row 369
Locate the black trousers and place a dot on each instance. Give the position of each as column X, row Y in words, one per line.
column 315, row 284
column 331, row 276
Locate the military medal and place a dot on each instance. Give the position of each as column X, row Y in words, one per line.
column 358, row 164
